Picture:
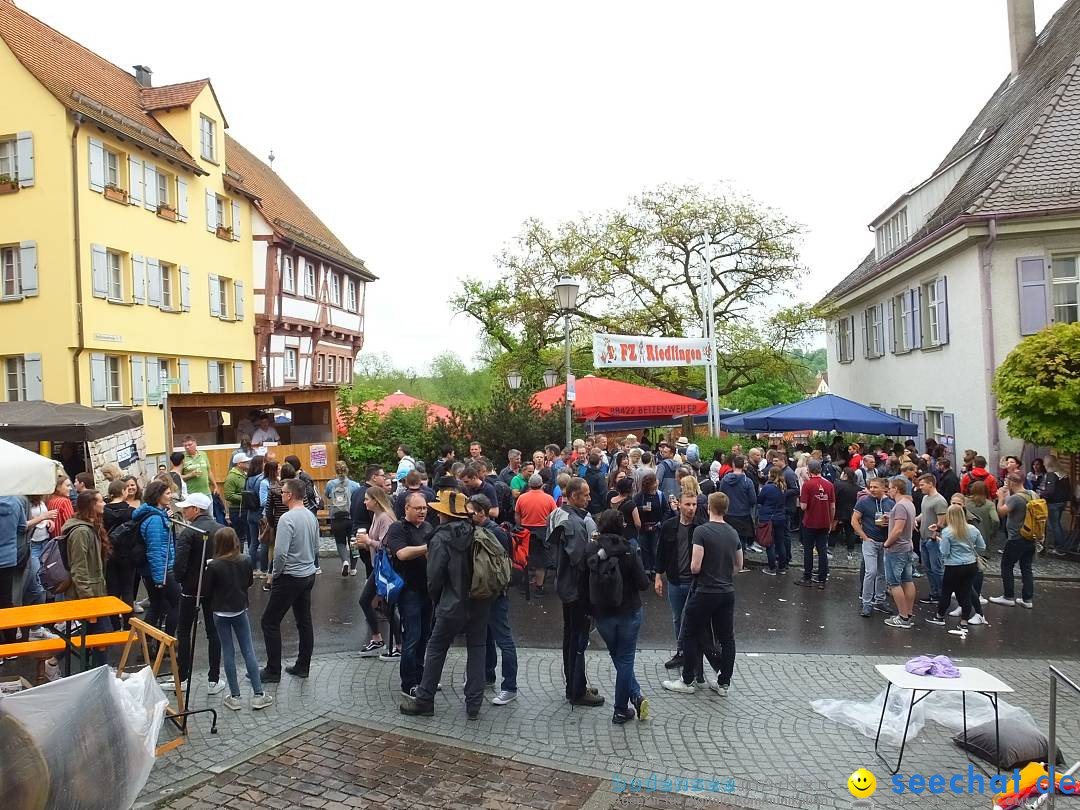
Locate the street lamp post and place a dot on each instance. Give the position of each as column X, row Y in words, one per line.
column 566, row 293
column 550, row 377
column 513, row 379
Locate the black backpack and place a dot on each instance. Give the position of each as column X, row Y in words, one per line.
column 605, row 580
column 128, row 545
column 505, row 497
column 249, row 495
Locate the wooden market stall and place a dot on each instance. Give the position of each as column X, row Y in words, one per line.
column 306, row 421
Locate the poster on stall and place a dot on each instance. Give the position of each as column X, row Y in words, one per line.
column 318, row 455
column 626, row 351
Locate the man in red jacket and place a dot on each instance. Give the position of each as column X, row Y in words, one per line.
column 979, row 473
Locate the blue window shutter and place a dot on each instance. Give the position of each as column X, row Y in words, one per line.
column 24, row 159
column 865, row 336
column 916, row 317
column 137, row 380
column 153, row 381
column 215, row 304
column 211, row 212
column 948, row 424
column 138, row 279
column 181, row 199
column 98, row 391
column 185, row 289
column 238, row 377
column 942, row 295
column 185, row 375
column 35, row 389
column 153, row 286
column 28, row 269
column 135, row 181
column 1033, row 293
column 881, row 329
column 839, row 344
column 851, row 329
column 238, row 295
column 97, row 165
column 212, row 377
column 99, row 271
column 919, row 418
column 150, row 200
column 890, row 325
column 236, row 220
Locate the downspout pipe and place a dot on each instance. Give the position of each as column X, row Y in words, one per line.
column 80, row 336
column 986, row 268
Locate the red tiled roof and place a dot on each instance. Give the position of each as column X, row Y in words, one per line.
column 172, row 95
column 83, row 81
column 283, row 208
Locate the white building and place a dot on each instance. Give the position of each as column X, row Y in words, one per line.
column 983, row 252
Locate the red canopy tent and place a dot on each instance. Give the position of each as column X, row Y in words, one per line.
column 600, row 400
column 399, row 399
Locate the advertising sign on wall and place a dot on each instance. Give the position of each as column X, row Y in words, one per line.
column 623, row 351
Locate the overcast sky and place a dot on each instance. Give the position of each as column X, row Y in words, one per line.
column 423, row 134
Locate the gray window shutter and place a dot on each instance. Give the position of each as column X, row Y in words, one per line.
column 238, row 377
column 211, row 212
column 236, row 220
column 35, row 389
column 916, row 317
column 137, row 380
column 851, row 330
column 212, row 377
column 890, row 325
column 894, row 411
column 942, row 295
column 1034, row 294
column 185, row 375
column 238, row 295
column 135, row 181
column 181, row 199
column 919, row 418
column 28, row 269
column 881, row 329
column 97, row 165
column 138, row 279
column 185, row 289
column 24, row 159
column 948, row 424
column 865, row 336
column 153, row 381
column 98, row 392
column 153, row 286
column 215, row 303
column 839, row 343
column 150, row 200
column 99, row 271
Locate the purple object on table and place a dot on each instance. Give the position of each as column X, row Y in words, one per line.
column 937, row 667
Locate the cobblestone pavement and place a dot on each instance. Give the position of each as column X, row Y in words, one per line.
column 763, row 735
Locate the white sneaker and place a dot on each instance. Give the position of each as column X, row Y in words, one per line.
column 1025, row 603
column 138, row 608
column 978, row 618
column 215, row 688
column 983, row 600
column 716, row 687
column 679, row 686
column 234, row 703
column 1001, row 600
column 710, row 681
column 167, row 686
column 757, row 548
column 261, row 701
column 956, row 611
column 352, row 572
column 41, row 634
column 52, row 670
column 344, row 569
column 503, row 698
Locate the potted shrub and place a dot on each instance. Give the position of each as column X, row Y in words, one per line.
column 8, row 184
column 225, row 232
column 115, row 193
column 166, row 211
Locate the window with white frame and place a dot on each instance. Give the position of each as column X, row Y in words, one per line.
column 208, row 138
column 290, row 364
column 8, row 160
column 333, row 284
column 167, row 271
column 319, row 368
column 12, row 275
column 309, row 279
column 163, row 183
column 114, row 267
column 223, row 297
column 15, row 379
column 329, row 369
column 875, row 331
column 341, row 369
column 903, row 322
column 112, row 379
column 219, row 212
column 934, row 421
column 223, row 376
column 892, row 233
column 350, row 295
column 845, row 340
column 876, row 406
column 288, row 275
column 904, row 412
column 1065, row 295
column 112, row 168
column 929, row 314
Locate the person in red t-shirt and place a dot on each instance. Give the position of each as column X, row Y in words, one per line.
column 817, row 499
column 533, row 507
column 856, row 456
column 60, row 501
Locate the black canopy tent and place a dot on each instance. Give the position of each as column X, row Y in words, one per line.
column 48, row 421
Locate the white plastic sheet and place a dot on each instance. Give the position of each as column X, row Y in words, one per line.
column 944, row 708
column 82, row 743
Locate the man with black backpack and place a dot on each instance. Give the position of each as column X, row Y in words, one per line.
column 194, row 548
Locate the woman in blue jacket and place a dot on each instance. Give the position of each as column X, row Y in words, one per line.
column 161, row 586
column 771, row 501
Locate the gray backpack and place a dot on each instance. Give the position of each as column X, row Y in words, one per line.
column 55, row 577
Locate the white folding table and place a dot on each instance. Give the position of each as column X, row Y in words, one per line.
column 972, row 679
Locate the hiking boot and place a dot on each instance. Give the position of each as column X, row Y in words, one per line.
column 588, row 699
column 675, row 662
column 621, row 716
column 414, row 708
column 269, row 677
column 296, row 672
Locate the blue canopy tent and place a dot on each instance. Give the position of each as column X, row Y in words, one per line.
column 825, row 412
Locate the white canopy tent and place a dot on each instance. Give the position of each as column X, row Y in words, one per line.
column 25, row 473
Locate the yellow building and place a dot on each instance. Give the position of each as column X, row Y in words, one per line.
column 126, row 253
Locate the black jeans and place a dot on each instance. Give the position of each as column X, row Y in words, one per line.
column 121, row 582
column 164, row 607
column 474, row 623
column 340, row 527
column 393, row 627
column 957, row 579
column 709, row 621
column 8, row 578
column 575, row 640
column 288, row 592
column 819, row 539
column 183, row 631
column 415, row 610
column 844, row 533
column 1018, row 550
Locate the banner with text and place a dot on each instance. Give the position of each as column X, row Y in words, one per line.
column 611, row 351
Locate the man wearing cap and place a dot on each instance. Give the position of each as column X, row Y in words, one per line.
column 234, row 486
column 449, row 578
column 194, row 548
column 532, row 509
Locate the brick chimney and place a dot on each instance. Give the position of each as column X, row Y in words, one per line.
column 1021, row 32
column 142, row 75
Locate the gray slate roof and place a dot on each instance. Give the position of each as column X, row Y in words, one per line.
column 1030, row 158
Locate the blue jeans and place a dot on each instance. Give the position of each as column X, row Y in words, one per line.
column 33, row 593
column 226, row 627
column 647, row 544
column 499, row 634
column 253, row 541
column 1054, row 530
column 819, row 539
column 779, row 553
column 620, row 633
column 414, row 609
column 932, row 562
column 676, row 597
column 238, row 519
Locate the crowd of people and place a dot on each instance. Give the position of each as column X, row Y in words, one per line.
column 598, row 522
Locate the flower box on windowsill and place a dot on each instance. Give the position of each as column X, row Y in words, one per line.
column 224, row 233
column 116, row 194
column 7, row 185
column 166, row 212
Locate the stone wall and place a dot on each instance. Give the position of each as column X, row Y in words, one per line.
column 111, row 449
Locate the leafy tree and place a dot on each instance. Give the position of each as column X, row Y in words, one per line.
column 447, row 381
column 1038, row 388
column 762, row 395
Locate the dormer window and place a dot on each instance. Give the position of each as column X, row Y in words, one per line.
column 208, row 138
column 892, row 233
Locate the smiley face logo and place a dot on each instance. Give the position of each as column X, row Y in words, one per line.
column 862, row 784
